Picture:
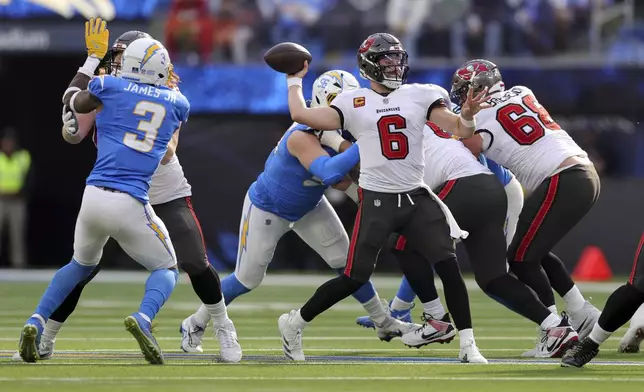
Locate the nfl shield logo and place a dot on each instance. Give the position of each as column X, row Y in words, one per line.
column 385, row 101
column 376, row 203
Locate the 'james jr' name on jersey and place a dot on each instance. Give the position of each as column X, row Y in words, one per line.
column 134, row 127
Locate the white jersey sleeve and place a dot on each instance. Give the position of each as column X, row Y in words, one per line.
column 520, row 134
column 344, row 103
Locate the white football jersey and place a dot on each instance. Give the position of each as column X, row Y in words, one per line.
column 389, row 131
column 519, row 134
column 447, row 158
column 168, row 183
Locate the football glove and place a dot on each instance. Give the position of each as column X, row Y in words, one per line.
column 97, row 38
column 70, row 125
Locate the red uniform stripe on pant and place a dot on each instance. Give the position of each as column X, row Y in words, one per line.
column 446, row 189
column 194, row 216
column 354, row 236
column 638, row 252
column 401, row 242
column 538, row 219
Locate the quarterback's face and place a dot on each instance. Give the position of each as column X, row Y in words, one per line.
column 391, row 65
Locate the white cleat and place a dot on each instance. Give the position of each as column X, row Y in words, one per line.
column 45, row 350
column 291, row 337
column 631, row 341
column 584, row 319
column 554, row 341
column 192, row 336
column 392, row 328
column 469, row 353
column 230, row 350
column 432, row 331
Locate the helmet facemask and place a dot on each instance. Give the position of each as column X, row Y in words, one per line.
column 388, row 68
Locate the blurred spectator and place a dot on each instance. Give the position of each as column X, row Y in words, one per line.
column 232, row 20
column 190, row 28
column 483, row 24
column 14, row 169
column 405, row 19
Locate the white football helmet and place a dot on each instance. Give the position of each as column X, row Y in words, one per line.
column 147, row 61
column 331, row 83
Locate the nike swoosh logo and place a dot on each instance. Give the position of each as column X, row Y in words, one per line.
column 430, row 335
column 555, row 344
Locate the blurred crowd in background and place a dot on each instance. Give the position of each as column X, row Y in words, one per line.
column 236, row 30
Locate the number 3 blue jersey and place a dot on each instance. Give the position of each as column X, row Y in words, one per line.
column 134, row 127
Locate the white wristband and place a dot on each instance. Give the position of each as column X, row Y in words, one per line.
column 71, row 101
column 294, row 82
column 467, row 123
column 90, row 66
column 331, row 139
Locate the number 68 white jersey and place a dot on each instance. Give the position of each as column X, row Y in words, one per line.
column 389, row 131
column 519, row 134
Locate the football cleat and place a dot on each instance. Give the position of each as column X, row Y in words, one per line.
column 291, row 337
column 30, row 339
column 469, row 353
column 392, row 328
column 554, row 341
column 432, row 331
column 140, row 330
column 191, row 336
column 580, row 353
column 584, row 319
column 45, row 351
column 631, row 341
column 402, row 315
column 230, row 350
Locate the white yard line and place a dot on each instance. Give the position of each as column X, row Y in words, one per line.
column 277, row 338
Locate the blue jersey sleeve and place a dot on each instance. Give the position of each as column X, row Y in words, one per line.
column 184, row 109
column 504, row 175
column 102, row 86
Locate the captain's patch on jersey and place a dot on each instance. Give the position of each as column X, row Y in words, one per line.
column 358, row 102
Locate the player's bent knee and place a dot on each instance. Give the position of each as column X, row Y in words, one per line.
column 353, row 282
column 194, row 266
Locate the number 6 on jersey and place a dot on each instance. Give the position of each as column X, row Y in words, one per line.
column 393, row 143
column 149, row 127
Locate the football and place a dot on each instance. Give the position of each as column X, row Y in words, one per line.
column 287, row 57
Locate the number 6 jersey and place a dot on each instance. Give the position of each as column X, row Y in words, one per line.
column 133, row 129
column 518, row 133
column 389, row 131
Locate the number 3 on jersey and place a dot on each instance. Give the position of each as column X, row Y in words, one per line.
column 150, row 127
column 521, row 126
column 394, row 144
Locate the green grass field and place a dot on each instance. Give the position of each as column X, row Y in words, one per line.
column 94, row 352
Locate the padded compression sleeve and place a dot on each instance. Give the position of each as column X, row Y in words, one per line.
column 332, row 170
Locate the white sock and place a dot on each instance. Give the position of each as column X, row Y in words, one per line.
column 201, row 318
column 375, row 310
column 551, row 321
column 638, row 318
column 434, row 308
column 51, row 330
column 465, row 336
column 218, row 313
column 297, row 321
column 553, row 309
column 598, row 335
column 399, row 304
column 574, row 300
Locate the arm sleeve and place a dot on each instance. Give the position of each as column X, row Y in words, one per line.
column 332, row 170
column 435, row 97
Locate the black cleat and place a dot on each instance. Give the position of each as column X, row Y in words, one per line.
column 580, row 353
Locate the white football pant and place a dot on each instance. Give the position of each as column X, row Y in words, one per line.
column 134, row 225
column 259, row 232
column 514, row 192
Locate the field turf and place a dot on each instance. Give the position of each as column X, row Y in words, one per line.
column 95, row 353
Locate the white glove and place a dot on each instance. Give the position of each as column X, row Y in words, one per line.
column 70, row 124
column 331, row 139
